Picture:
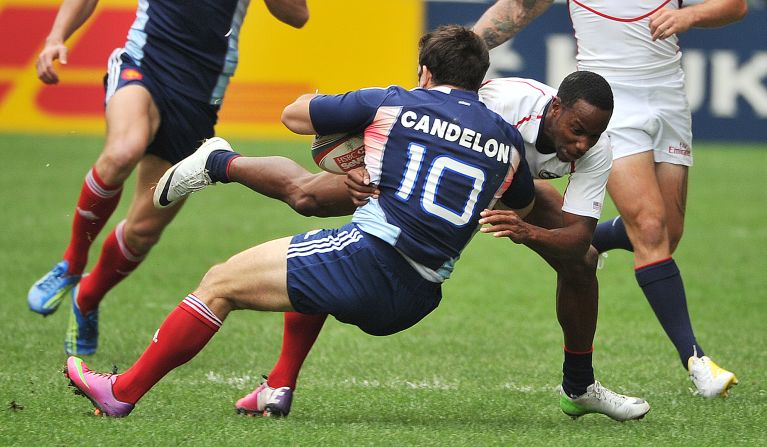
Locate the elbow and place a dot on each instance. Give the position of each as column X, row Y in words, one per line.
column 289, row 121
column 298, row 19
column 301, row 20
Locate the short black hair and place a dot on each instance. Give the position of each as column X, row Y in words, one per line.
column 588, row 86
column 455, row 55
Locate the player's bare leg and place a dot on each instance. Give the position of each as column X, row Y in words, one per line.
column 254, row 279
column 577, row 307
column 123, row 250
column 577, row 287
column 655, row 225
column 132, row 119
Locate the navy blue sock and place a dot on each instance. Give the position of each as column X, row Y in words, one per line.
column 218, row 163
column 577, row 373
column 611, row 234
column 662, row 285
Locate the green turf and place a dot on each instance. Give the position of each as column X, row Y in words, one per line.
column 481, row 370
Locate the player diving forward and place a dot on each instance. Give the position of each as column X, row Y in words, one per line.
column 398, row 248
column 562, row 132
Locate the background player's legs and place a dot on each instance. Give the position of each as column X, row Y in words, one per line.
column 577, row 295
column 672, row 180
column 253, row 279
column 131, row 240
column 647, row 224
column 132, row 119
column 321, row 194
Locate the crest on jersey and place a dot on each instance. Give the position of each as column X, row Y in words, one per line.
column 131, row 74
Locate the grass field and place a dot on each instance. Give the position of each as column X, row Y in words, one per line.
column 481, row 370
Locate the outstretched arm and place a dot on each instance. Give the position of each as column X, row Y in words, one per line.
column 292, row 12
column 571, row 240
column 72, row 14
column 506, row 18
column 708, row 14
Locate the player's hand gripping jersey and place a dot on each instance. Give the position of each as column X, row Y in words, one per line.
column 523, row 102
column 439, row 157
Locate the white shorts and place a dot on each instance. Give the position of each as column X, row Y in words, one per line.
column 652, row 114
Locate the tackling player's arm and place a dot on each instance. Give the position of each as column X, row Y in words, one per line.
column 547, row 229
column 292, row 12
column 72, row 14
column 506, row 18
column 572, row 240
column 708, row 14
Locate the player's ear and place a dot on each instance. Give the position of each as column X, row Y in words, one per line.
column 424, row 76
column 556, row 106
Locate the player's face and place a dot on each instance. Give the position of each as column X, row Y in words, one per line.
column 577, row 128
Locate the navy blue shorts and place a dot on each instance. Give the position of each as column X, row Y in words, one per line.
column 359, row 279
column 184, row 122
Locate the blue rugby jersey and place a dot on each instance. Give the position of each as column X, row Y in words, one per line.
column 189, row 46
column 438, row 156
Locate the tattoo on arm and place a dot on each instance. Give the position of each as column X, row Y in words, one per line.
column 507, row 18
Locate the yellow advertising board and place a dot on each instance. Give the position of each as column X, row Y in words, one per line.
column 345, row 45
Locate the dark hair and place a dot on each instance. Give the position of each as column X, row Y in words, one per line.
column 587, row 86
column 454, row 55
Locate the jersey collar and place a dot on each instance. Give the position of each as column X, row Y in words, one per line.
column 456, row 92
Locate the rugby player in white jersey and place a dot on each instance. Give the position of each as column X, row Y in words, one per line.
column 558, row 129
column 634, row 45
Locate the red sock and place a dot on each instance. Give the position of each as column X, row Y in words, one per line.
column 301, row 330
column 115, row 264
column 96, row 203
column 181, row 336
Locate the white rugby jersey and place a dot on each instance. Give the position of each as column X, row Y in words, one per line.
column 614, row 38
column 521, row 102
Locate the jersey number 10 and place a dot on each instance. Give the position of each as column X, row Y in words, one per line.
column 439, row 169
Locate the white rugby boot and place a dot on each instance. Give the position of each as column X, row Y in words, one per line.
column 187, row 176
column 598, row 399
column 710, row 379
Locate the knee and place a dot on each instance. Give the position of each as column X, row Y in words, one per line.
column 649, row 231
column 210, row 286
column 579, row 269
column 118, row 160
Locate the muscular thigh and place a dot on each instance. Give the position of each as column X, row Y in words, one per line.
column 132, row 119
column 253, row 279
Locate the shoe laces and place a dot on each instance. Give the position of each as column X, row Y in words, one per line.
column 52, row 279
column 195, row 181
column 608, row 395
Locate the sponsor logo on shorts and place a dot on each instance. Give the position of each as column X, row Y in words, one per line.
column 131, row 74
column 682, row 149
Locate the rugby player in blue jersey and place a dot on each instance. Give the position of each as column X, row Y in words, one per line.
column 163, row 93
column 398, row 249
column 563, row 135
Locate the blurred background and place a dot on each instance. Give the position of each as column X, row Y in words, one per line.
column 348, row 45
